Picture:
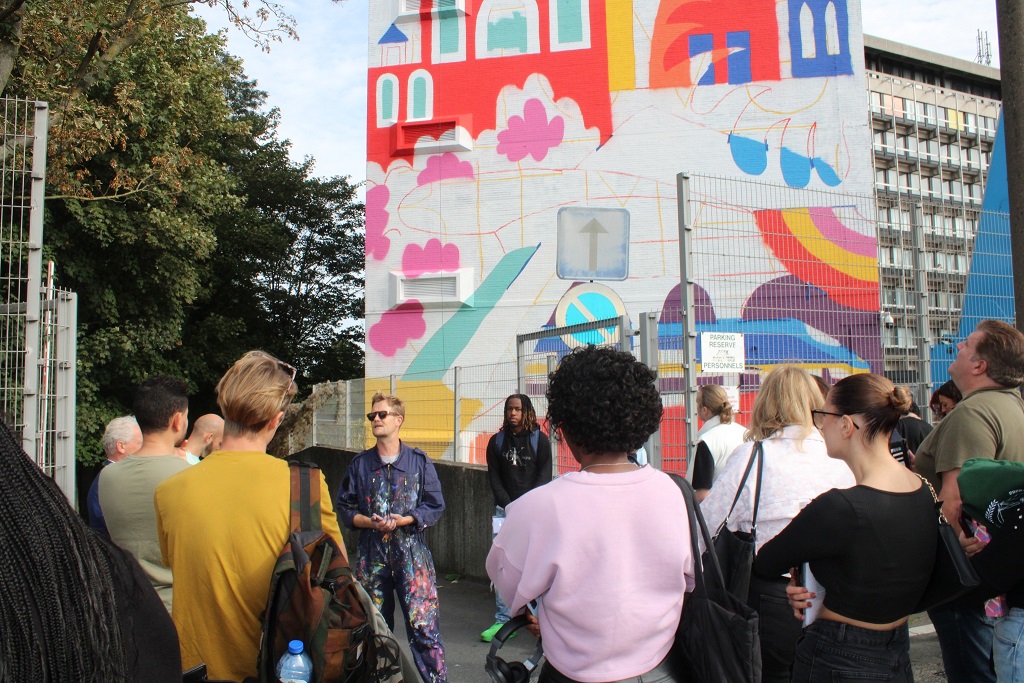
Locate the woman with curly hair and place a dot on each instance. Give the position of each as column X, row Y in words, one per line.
column 73, row 606
column 604, row 551
column 797, row 469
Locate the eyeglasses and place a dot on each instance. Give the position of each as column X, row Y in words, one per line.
column 380, row 415
column 818, row 417
column 288, row 369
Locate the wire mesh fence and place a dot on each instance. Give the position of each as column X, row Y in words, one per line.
column 833, row 282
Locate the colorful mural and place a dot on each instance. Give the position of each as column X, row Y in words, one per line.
column 486, row 119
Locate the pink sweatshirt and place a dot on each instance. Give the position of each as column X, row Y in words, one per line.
column 609, row 557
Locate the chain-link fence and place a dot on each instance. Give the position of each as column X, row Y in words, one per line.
column 37, row 322
column 833, row 282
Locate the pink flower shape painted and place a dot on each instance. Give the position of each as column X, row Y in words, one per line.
column 396, row 327
column 433, row 257
column 377, row 245
column 443, row 167
column 531, row 133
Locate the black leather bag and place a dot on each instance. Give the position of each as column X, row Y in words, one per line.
column 952, row 575
column 735, row 549
column 716, row 641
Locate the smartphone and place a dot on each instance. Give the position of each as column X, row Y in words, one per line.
column 808, row 581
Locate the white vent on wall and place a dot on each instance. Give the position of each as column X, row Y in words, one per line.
column 433, row 289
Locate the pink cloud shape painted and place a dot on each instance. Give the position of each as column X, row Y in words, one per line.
column 377, row 245
column 433, row 257
column 396, row 327
column 531, row 134
column 443, row 167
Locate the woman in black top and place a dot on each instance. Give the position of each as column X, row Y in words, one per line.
column 871, row 547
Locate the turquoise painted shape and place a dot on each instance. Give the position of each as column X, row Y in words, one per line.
column 449, row 33
column 825, row 171
column 751, row 156
column 452, row 338
column 508, row 33
column 796, row 168
column 570, row 21
column 419, row 98
column 387, row 100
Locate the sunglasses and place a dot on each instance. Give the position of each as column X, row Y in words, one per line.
column 380, row 415
column 288, row 369
column 818, row 416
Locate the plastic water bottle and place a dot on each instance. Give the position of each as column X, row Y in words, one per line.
column 295, row 666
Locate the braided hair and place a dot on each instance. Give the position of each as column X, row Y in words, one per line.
column 529, row 422
column 58, row 613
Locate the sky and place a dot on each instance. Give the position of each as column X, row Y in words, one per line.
column 319, row 81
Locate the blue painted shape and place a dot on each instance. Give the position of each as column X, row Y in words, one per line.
column 751, row 156
column 796, row 168
column 393, row 35
column 826, row 173
column 739, row 62
column 700, row 43
column 989, row 293
column 822, row 64
column 451, row 339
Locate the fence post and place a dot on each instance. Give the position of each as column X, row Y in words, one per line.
column 649, row 356
column 457, row 413
column 625, row 333
column 688, row 317
column 66, row 379
column 520, row 366
column 393, row 385
column 348, row 413
column 921, row 308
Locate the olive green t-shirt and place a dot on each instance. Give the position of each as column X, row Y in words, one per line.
column 986, row 424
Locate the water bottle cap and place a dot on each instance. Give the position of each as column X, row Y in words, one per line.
column 295, row 647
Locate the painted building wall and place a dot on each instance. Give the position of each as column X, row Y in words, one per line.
column 487, row 118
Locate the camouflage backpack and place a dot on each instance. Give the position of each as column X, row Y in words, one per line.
column 313, row 597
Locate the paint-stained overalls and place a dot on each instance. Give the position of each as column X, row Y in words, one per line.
column 399, row 561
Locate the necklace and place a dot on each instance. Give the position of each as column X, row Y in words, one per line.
column 609, row 464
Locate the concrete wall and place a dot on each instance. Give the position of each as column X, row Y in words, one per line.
column 461, row 539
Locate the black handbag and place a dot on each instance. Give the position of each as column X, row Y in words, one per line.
column 717, row 640
column 952, row 574
column 736, row 549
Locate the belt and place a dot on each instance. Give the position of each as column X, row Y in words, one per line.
column 666, row 667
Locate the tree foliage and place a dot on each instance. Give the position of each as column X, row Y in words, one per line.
column 173, row 208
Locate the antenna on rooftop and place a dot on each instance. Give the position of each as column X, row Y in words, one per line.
column 984, row 49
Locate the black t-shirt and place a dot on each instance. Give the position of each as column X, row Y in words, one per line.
column 703, row 467
column 516, row 468
column 872, row 550
column 913, row 429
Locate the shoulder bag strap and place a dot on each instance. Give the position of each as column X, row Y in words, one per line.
column 759, row 454
column 699, row 526
column 305, row 496
column 743, row 482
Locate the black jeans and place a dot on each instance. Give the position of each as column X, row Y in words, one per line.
column 778, row 629
column 832, row 652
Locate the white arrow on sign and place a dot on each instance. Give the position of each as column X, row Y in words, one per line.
column 593, row 228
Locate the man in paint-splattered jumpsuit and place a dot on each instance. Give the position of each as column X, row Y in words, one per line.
column 391, row 494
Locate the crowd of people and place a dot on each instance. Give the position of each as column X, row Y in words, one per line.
column 186, row 527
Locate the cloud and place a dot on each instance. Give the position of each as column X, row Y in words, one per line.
column 396, row 327
column 430, row 258
column 531, row 134
column 447, row 165
column 377, row 245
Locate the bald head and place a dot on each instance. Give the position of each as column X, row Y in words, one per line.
column 207, row 433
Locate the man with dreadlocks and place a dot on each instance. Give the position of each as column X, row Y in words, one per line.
column 518, row 460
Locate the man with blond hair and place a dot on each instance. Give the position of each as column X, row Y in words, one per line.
column 391, row 493
column 222, row 525
column 987, row 423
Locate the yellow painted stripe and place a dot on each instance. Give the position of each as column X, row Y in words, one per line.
column 621, row 58
column 802, row 226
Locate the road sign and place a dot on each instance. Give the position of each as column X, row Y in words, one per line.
column 593, row 244
column 586, row 303
column 721, row 352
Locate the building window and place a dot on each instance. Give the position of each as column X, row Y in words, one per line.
column 387, row 101
column 507, row 28
column 421, row 96
column 570, row 24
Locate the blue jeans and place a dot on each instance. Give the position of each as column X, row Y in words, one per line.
column 501, row 615
column 965, row 636
column 1008, row 646
column 832, row 652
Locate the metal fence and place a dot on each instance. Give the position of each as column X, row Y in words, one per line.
column 833, row 282
column 37, row 321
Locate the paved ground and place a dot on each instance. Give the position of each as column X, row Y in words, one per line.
column 467, row 608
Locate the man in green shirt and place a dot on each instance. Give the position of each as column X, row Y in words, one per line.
column 987, row 423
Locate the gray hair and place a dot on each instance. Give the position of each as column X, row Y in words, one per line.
column 118, row 429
